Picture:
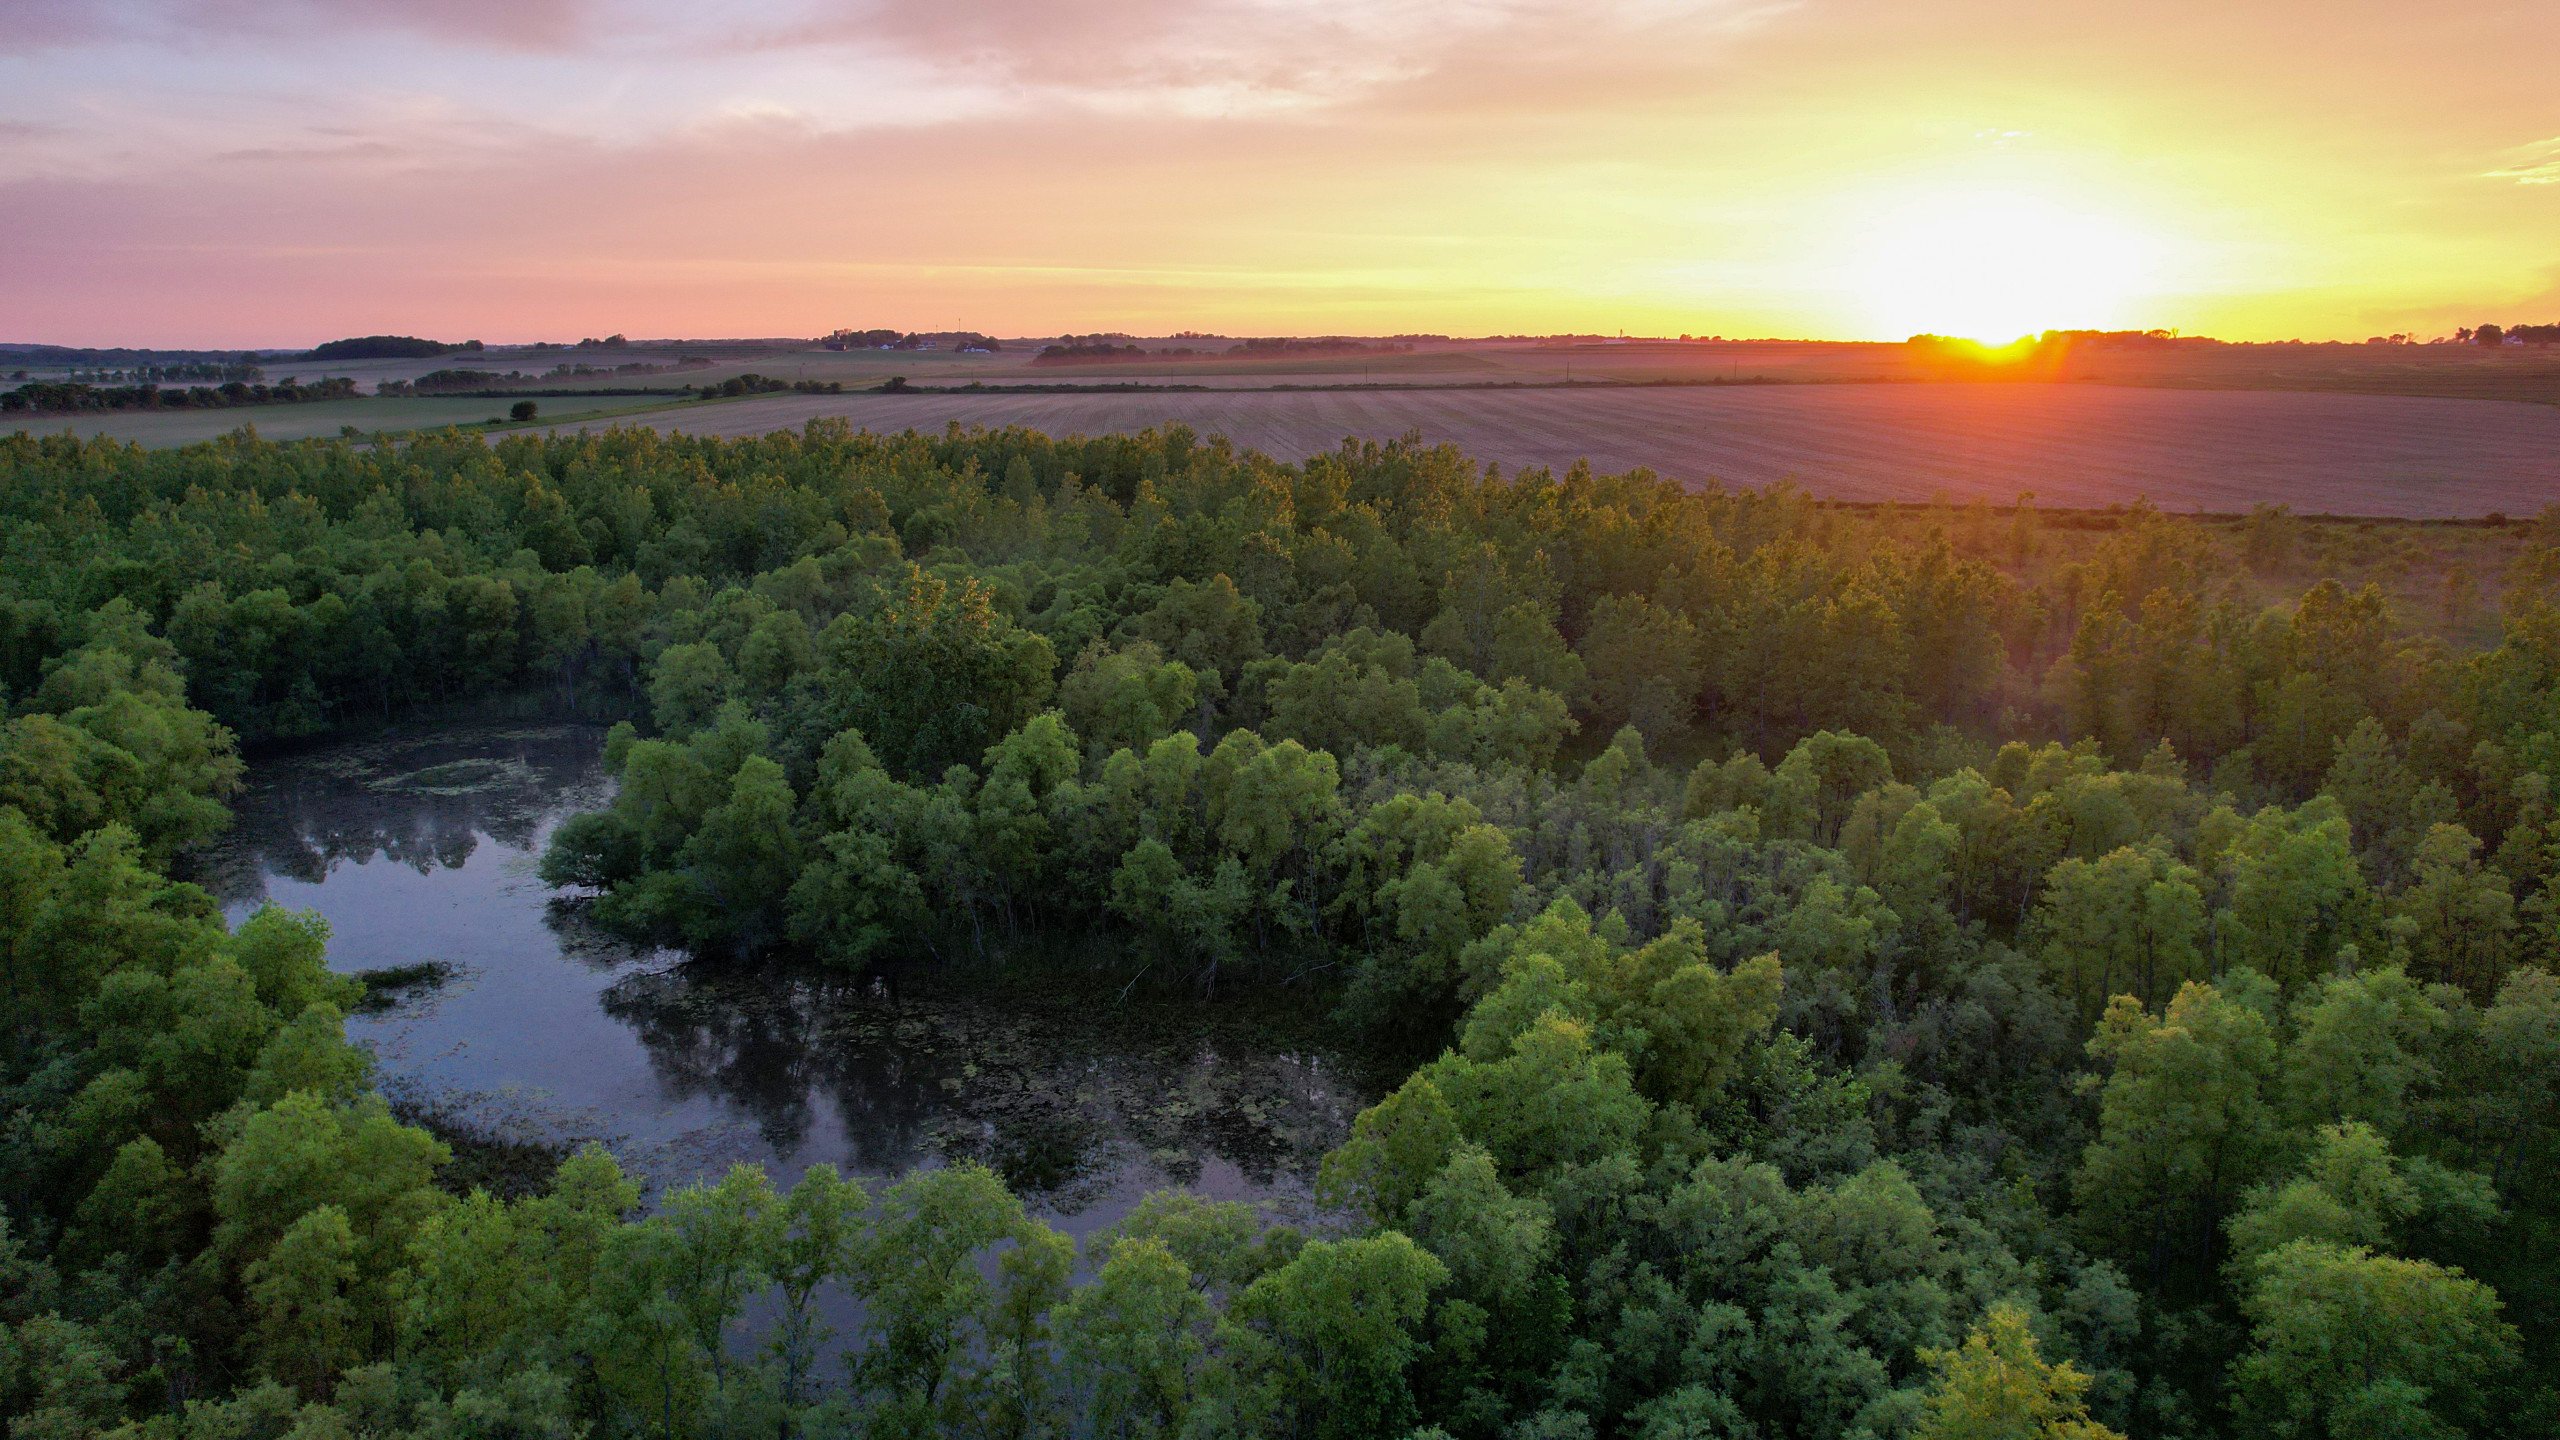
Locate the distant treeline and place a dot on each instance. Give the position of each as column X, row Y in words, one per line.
column 752, row 384
column 566, row 371
column 1092, row 349
column 2509, row 334
column 220, row 372
column 516, row 382
column 1083, row 352
column 70, row 356
column 387, row 347
column 447, row 382
column 1319, row 345
column 882, row 339
column 72, row 398
column 461, row 381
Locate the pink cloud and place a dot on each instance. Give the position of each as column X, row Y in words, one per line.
column 502, row 24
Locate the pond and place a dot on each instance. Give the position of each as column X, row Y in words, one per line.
column 1084, row 1090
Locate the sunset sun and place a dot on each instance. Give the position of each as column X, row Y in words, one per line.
column 1995, row 266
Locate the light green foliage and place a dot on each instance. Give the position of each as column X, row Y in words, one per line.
column 1358, row 689
column 2461, row 914
column 744, row 859
column 1997, row 1387
column 1553, row 1099
column 944, row 1340
column 1504, row 1313
column 1127, row 698
column 1134, row 1342
column 1206, row 625
column 688, row 688
column 310, row 1053
column 932, row 675
column 1813, row 790
column 306, row 1152
column 776, row 652
column 810, row 1244
column 2364, row 1047
column 2186, row 1121
column 1516, row 724
column 2296, row 894
column 640, row 1333
column 1684, row 1024
column 143, row 1206
column 307, row 1314
column 853, row 892
column 1396, row 1147
column 723, row 1236
column 2349, row 1193
column 1325, row 1339
column 113, row 742
column 2345, row 1342
column 2127, row 923
column 476, row 1287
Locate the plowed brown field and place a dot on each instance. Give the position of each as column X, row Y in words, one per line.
column 2068, row 445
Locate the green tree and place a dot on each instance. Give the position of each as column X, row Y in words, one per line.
column 2463, row 915
column 744, row 861
column 2185, row 1124
column 944, row 1340
column 309, row 1324
column 688, row 688
column 1127, row 698
column 2345, row 1342
column 812, row 1244
column 1996, row 1386
column 2296, row 894
column 305, row 1152
column 2127, row 923
column 1643, row 661
column 1133, row 1342
column 931, row 676
column 1325, row 1341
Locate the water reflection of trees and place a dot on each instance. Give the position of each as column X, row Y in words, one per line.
column 1057, row 1092
column 1064, row 1087
column 304, row 816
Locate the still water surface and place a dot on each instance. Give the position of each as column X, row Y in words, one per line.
column 424, row 849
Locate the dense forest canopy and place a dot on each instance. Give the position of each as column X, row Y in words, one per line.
column 1918, row 972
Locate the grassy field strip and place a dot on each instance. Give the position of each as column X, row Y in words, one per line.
column 369, row 414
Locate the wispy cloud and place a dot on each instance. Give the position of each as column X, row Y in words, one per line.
column 1225, row 57
column 36, row 25
column 2534, row 164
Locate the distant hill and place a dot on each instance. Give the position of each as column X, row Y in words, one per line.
column 28, row 353
column 386, row 347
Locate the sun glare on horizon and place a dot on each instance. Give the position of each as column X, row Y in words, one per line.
column 1994, row 266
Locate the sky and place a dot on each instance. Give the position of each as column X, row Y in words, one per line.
column 276, row 172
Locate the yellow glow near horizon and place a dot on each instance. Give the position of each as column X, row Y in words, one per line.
column 1992, row 266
